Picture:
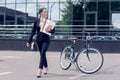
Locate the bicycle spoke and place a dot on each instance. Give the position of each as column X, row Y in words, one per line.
column 89, row 61
column 65, row 59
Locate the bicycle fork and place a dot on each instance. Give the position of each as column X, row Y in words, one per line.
column 87, row 51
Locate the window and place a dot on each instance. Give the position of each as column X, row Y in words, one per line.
column 91, row 6
column 42, row 0
column 31, row 0
column 20, row 7
column 2, row 4
column 103, row 11
column 91, row 18
column 10, row 6
column 116, row 20
column 63, row 0
column 21, row 1
column 41, row 5
column 10, row 1
column 1, row 19
column 2, row 1
column 31, row 9
column 115, row 6
column 54, row 11
column 10, row 13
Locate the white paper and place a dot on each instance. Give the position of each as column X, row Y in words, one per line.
column 48, row 23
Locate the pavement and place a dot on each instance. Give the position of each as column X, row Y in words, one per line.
column 22, row 65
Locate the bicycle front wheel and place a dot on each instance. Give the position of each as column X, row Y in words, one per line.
column 65, row 58
column 89, row 61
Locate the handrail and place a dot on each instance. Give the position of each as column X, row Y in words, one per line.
column 61, row 30
column 60, row 25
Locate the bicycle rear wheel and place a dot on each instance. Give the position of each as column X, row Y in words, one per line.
column 89, row 61
column 65, row 58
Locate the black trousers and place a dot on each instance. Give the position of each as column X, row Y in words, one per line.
column 43, row 46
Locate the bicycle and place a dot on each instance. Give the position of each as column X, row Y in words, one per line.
column 88, row 60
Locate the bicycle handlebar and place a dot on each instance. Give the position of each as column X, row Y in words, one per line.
column 86, row 33
column 87, row 37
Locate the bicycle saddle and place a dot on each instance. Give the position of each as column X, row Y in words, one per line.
column 74, row 38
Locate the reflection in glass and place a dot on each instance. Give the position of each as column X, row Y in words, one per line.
column 116, row 20
column 31, row 10
column 63, row 0
column 41, row 5
column 2, row 1
column 10, row 1
column 10, row 18
column 90, row 19
column 42, row 0
column 10, row 13
column 54, row 0
column 1, row 19
column 103, row 10
column 115, row 6
column 20, row 20
column 2, row 4
column 62, row 6
column 54, row 11
column 31, row 0
column 21, row 1
column 10, row 6
column 91, row 6
column 20, row 7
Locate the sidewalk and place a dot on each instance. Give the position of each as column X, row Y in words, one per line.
column 21, row 65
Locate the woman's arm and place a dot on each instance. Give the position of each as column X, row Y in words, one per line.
column 33, row 32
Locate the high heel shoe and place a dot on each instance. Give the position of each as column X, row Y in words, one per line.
column 39, row 73
column 45, row 73
column 39, row 76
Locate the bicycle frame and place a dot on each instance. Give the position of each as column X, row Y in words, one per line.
column 88, row 41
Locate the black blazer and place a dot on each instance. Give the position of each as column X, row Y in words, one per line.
column 40, row 35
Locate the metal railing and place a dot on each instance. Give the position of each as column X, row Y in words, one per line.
column 62, row 32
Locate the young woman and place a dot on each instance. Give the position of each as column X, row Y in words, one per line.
column 44, row 28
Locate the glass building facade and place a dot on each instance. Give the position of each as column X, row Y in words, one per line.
column 100, row 17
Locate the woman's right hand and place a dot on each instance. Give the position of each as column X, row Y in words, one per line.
column 28, row 44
